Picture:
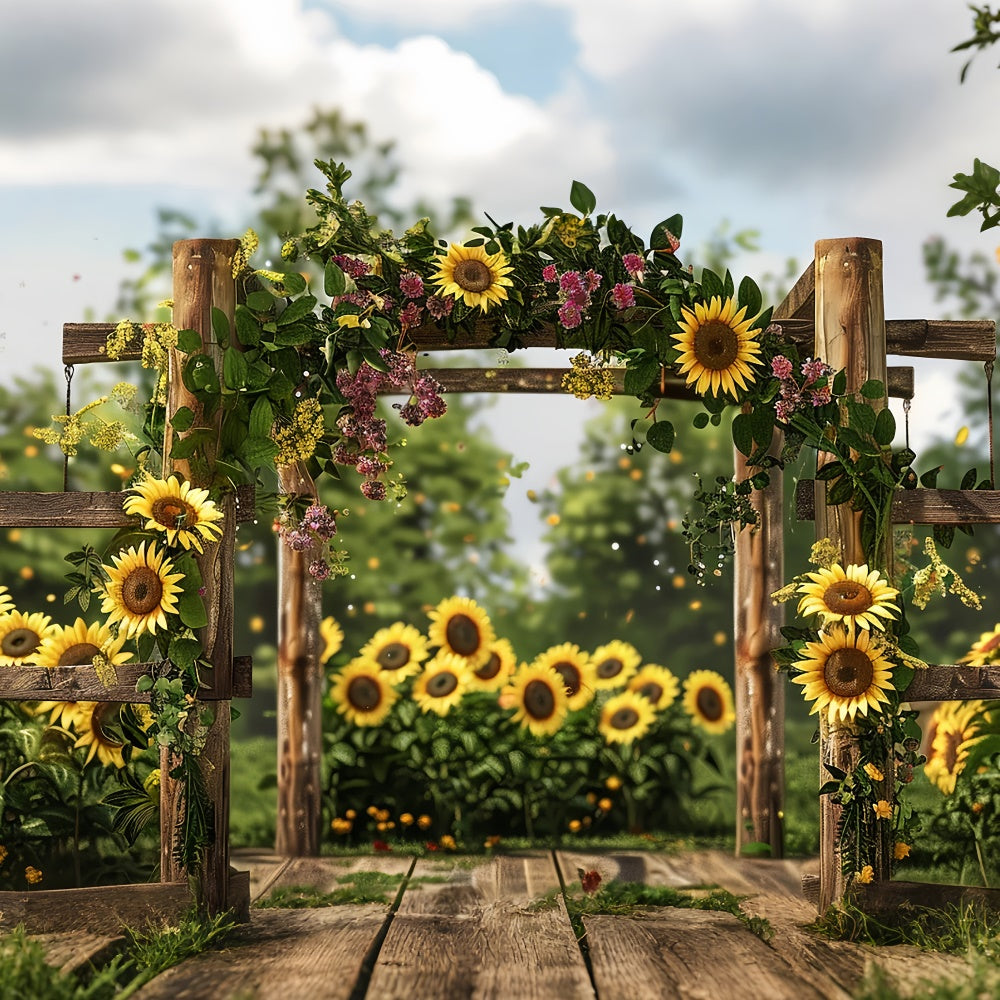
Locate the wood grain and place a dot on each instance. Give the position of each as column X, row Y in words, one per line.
column 954, row 683
column 920, row 506
column 894, row 901
column 71, row 952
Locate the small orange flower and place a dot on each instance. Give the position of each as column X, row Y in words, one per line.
column 882, row 809
column 32, row 875
column 424, row 822
column 874, row 773
column 614, row 783
column 900, row 850
column 866, row 875
column 447, row 841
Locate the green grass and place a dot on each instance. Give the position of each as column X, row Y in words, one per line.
column 360, row 887
column 981, row 982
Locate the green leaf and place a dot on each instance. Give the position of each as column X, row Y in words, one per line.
column 182, row 418
column 234, row 368
column 639, row 377
column 661, row 436
column 297, row 310
column 711, row 284
column 258, row 452
column 343, row 753
column 294, row 283
column 743, row 433
column 582, row 198
column 261, row 418
column 885, row 427
column 840, row 383
column 762, row 424
column 839, row 492
column 832, row 470
column 969, row 480
column 334, row 279
column 944, row 535
column 755, row 849
column 749, row 296
column 220, row 326
column 188, row 341
column 247, row 328
column 873, row 389
column 700, row 419
column 659, row 239
column 862, row 418
column 191, row 609
column 259, row 301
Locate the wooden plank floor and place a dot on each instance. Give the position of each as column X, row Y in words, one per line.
column 452, row 927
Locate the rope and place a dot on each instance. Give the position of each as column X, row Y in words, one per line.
column 68, row 373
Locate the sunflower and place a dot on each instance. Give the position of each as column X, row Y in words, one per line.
column 845, row 672
column 539, row 696
column 89, row 723
column 985, row 651
column 61, row 713
column 956, row 728
column 626, row 717
column 613, row 664
column 440, row 686
column 657, row 684
column 177, row 508
column 460, row 626
column 717, row 347
column 21, row 635
column 6, row 602
column 573, row 666
column 141, row 590
column 473, row 275
column 852, row 596
column 362, row 693
column 333, row 638
column 398, row 650
column 708, row 699
column 78, row 644
column 495, row 672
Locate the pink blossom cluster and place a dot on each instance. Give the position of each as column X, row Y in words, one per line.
column 634, row 264
column 364, row 434
column 575, row 290
column 314, row 531
column 353, row 266
column 813, row 388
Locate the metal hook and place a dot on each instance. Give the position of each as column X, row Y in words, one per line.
column 68, row 374
column 988, row 368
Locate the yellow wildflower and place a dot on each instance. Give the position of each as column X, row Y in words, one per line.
column 604, row 805
column 614, row 782
column 874, row 773
column 882, row 809
column 32, row 875
column 824, row 553
column 447, row 841
column 865, row 876
column 900, row 850
column 588, row 378
column 406, row 819
column 249, row 242
column 297, row 439
column 424, row 822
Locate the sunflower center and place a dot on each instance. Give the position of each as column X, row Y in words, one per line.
column 171, row 512
column 848, row 673
column 364, row 694
column 539, row 701
column 710, row 705
column 611, row 667
column 472, row 275
column 570, row 676
column 78, row 654
column 652, row 691
column 142, row 590
column 393, row 656
column 462, row 634
column 847, row 597
column 624, row 718
column 716, row 345
column 489, row 669
column 20, row 642
column 442, row 684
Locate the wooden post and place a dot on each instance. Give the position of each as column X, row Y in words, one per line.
column 760, row 694
column 850, row 334
column 300, row 689
column 203, row 280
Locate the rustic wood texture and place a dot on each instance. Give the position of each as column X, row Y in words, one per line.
column 86, row 343
column 101, row 910
column 800, row 302
column 280, row 955
column 920, row 506
column 894, row 901
column 954, row 683
column 475, row 935
column 759, row 570
column 850, row 334
column 203, row 281
column 31, row 683
column 300, row 687
column 329, row 874
column 71, row 952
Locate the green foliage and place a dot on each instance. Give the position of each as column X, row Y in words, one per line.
column 982, row 193
column 358, row 887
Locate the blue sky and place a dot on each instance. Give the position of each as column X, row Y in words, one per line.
column 803, row 120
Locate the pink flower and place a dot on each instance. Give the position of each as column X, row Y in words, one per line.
column 783, row 409
column 634, row 264
column 814, row 369
column 572, row 284
column 319, row 570
column 570, row 315
column 372, row 489
column 410, row 316
column 623, row 296
column 820, row 396
column 549, row 273
column 440, row 307
column 781, row 367
column 592, row 280
column 411, row 285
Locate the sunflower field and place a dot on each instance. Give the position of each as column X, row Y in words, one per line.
column 448, row 736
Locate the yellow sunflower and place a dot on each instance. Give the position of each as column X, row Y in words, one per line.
column 708, row 699
column 333, row 638
column 845, row 672
column 61, row 713
column 460, row 626
column 89, row 722
column 363, row 693
column 626, row 717
column 495, row 672
column 657, row 684
column 956, row 728
column 852, row 596
column 473, row 275
column 441, row 684
column 717, row 347
column 177, row 508
column 574, row 667
column 21, row 636
column 78, row 644
column 398, row 650
column 141, row 591
column 986, row 650
column 613, row 664
column 6, row 602
column 538, row 694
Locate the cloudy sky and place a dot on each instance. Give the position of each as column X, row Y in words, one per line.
column 805, row 120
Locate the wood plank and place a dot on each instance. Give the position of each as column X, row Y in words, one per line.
column 281, row 955
column 102, row 909
column 800, row 302
column 85, row 343
column 920, row 506
column 33, row 683
column 264, row 865
column 690, row 955
column 954, row 682
column 72, row 951
column 80, row 509
column 895, row 901
column 329, row 874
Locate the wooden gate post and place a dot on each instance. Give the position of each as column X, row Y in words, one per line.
column 760, row 694
column 203, row 280
column 850, row 334
column 300, row 689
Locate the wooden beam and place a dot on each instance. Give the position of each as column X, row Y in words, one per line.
column 954, row 683
column 893, row 902
column 85, row 343
column 800, row 302
column 920, row 506
column 81, row 683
